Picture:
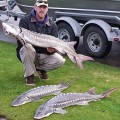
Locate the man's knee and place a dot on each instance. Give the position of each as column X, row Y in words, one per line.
column 27, row 53
column 59, row 59
column 62, row 61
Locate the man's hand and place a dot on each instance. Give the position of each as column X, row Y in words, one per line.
column 51, row 50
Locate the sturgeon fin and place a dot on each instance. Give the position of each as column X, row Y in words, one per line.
column 107, row 93
column 72, row 44
column 92, row 91
column 83, row 103
column 57, row 93
column 81, row 58
column 34, row 99
column 72, row 81
column 72, row 58
column 60, row 111
column 60, row 50
column 62, row 83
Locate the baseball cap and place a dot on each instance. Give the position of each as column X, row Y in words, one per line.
column 41, row 2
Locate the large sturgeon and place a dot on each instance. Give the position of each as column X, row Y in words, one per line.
column 42, row 40
column 56, row 104
column 39, row 92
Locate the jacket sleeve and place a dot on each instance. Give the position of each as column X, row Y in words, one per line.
column 22, row 23
column 54, row 31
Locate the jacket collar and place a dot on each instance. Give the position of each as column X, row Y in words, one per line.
column 34, row 20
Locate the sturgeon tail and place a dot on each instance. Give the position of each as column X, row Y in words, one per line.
column 78, row 58
column 81, row 58
column 107, row 93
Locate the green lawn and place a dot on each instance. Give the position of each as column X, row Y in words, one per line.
column 103, row 77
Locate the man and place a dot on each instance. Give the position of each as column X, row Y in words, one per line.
column 35, row 58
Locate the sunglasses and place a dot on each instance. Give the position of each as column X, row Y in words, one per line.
column 43, row 2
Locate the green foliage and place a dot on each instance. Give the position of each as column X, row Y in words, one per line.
column 103, row 77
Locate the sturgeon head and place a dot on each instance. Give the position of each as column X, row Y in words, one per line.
column 44, row 111
column 11, row 29
column 20, row 100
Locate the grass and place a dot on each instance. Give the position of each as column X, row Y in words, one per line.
column 103, row 77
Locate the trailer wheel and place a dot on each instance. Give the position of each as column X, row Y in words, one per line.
column 3, row 8
column 65, row 33
column 95, row 42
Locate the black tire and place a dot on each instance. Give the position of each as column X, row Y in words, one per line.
column 95, row 42
column 65, row 33
column 3, row 8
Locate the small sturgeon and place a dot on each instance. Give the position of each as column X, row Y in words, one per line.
column 39, row 92
column 56, row 104
column 42, row 40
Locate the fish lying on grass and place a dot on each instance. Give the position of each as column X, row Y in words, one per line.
column 42, row 40
column 56, row 104
column 39, row 92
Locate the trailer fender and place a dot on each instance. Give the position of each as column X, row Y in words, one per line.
column 72, row 22
column 103, row 25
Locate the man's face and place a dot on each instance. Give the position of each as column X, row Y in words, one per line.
column 41, row 11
